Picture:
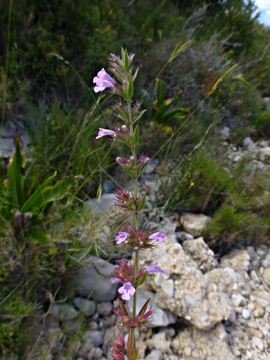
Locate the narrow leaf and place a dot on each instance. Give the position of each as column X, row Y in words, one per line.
column 140, row 115
column 134, row 354
column 141, row 203
column 118, row 77
column 142, row 170
column 50, row 193
column 130, row 88
column 121, row 113
column 126, row 62
column 15, row 177
column 241, row 78
column 34, row 198
column 129, row 172
column 144, row 308
column 135, row 75
column 129, row 341
column 136, row 135
column 160, row 88
column 99, row 192
column 122, row 307
column 141, row 280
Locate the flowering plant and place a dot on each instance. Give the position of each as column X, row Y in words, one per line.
column 129, row 275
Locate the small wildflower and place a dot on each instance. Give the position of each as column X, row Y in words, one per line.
column 125, row 272
column 155, row 268
column 105, row 132
column 127, row 290
column 143, row 160
column 103, row 81
column 157, row 236
column 122, row 131
column 118, row 349
column 121, row 237
column 126, row 200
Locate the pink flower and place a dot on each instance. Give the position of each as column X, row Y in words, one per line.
column 155, row 268
column 103, row 81
column 127, row 290
column 121, row 237
column 157, row 236
column 105, row 132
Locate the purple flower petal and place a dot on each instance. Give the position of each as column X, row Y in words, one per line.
column 121, row 237
column 126, row 290
column 155, row 268
column 103, row 80
column 157, row 236
column 105, row 132
column 115, row 280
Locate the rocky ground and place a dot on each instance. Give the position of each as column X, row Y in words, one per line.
column 205, row 309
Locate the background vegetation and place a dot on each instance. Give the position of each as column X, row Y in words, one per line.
column 211, row 58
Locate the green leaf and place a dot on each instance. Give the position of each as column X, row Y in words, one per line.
column 172, row 114
column 241, row 78
column 126, row 62
column 45, row 194
column 135, row 75
column 121, row 113
column 144, row 308
column 141, row 204
column 130, row 88
column 118, row 77
column 99, row 192
column 142, row 279
column 177, row 49
column 34, row 198
column 134, row 354
column 36, row 234
column 140, row 115
column 130, row 60
column 15, row 177
column 142, row 170
column 136, row 135
column 160, row 89
column 128, row 171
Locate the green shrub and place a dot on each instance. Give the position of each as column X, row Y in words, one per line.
column 201, row 185
column 231, row 227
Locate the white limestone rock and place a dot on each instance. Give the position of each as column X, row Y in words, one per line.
column 193, row 297
column 194, row 223
column 199, row 251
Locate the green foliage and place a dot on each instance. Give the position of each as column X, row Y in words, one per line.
column 14, row 308
column 161, row 111
column 231, row 225
column 59, row 47
column 23, row 209
column 201, row 187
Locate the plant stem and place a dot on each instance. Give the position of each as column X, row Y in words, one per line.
column 136, row 193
